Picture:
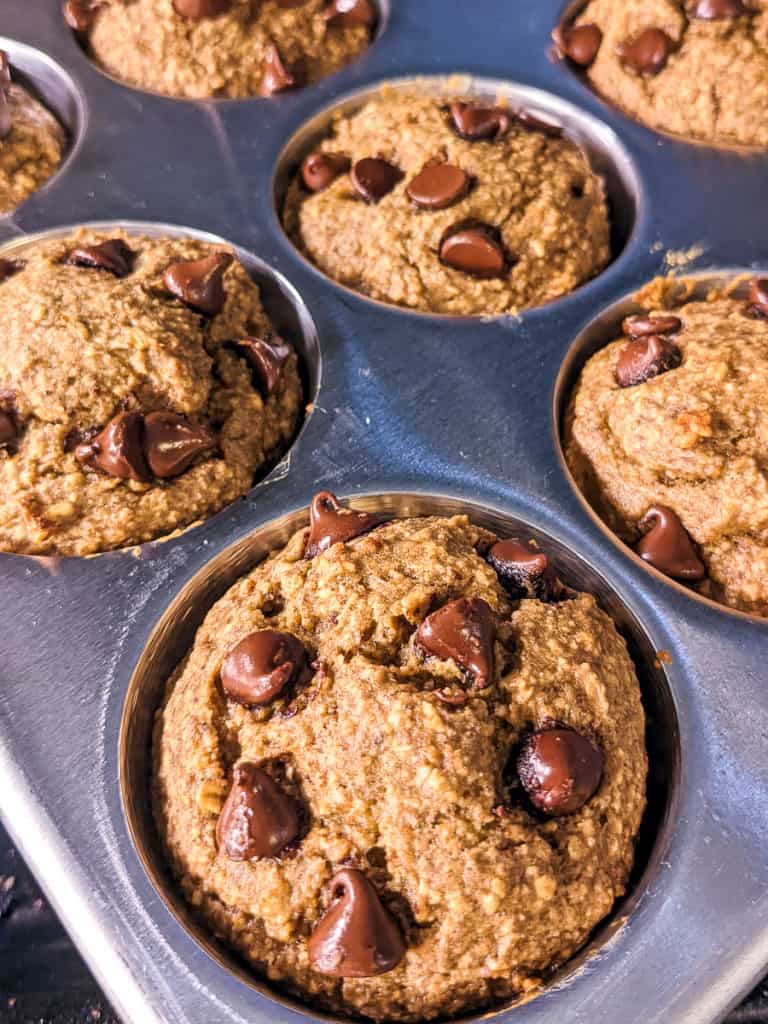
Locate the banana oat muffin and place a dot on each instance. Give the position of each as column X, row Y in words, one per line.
column 32, row 141
column 450, row 207
column 236, row 48
column 141, row 388
column 667, row 436
column 697, row 68
column 402, row 768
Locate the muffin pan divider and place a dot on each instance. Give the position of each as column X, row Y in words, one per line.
column 422, row 412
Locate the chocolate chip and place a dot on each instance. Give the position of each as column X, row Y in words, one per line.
column 718, row 10
column 320, row 170
column 79, row 14
column 374, row 178
column 258, row 819
column 559, row 770
column 667, row 545
column 535, row 124
column 463, row 630
column 8, row 431
column 199, row 283
column 438, row 186
column 118, row 448
column 279, row 76
column 758, row 298
column 196, row 10
column 356, row 937
column 579, row 43
column 266, row 359
column 8, row 268
column 172, row 443
column 648, row 53
column 642, row 326
column 259, row 668
column 6, row 112
column 331, row 523
column 474, row 121
column 351, row 13
column 112, row 255
column 523, row 571
column 476, row 251
column 645, row 358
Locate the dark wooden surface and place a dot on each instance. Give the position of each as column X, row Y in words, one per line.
column 44, row 981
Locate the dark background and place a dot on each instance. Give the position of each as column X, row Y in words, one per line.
column 44, row 981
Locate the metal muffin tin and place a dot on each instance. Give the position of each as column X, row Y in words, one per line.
column 412, row 413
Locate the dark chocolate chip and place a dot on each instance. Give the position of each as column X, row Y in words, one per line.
column 645, row 358
column 356, row 937
column 118, row 448
column 331, row 523
column 474, row 121
column 523, row 571
column 8, row 430
column 266, row 359
column 579, row 43
column 8, row 268
column 463, row 630
column 374, row 178
column 718, row 10
column 642, row 326
column 559, row 770
column 476, row 251
column 280, row 76
column 258, row 819
column 648, row 53
column 172, row 443
column 535, row 124
column 758, row 298
column 112, row 255
column 260, row 667
column 351, row 13
column 438, row 186
column 320, row 170
column 196, row 10
column 6, row 111
column 79, row 14
column 667, row 546
column 200, row 283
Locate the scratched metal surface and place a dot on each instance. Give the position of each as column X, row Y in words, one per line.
column 406, row 404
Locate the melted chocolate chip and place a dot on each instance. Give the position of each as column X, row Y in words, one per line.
column 356, row 937
column 718, row 10
column 374, row 178
column 535, row 124
column 259, row 819
column 200, row 283
column 641, row 326
column 476, row 251
column 523, row 571
column 266, row 359
column 172, row 443
column 579, row 43
column 260, row 667
column 648, row 53
column 79, row 14
column 118, row 448
column 8, row 268
column 351, row 13
column 8, row 429
column 463, row 630
column 331, row 523
column 112, row 255
column 667, row 545
column 279, row 76
column 438, row 186
column 6, row 115
column 474, row 121
column 758, row 298
column 320, row 170
column 196, row 10
column 645, row 358
column 559, row 769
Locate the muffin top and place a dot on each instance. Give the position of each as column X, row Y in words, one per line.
column 667, row 435
column 698, row 68
column 141, row 388
column 449, row 206
column 235, row 48
column 32, row 141
column 402, row 768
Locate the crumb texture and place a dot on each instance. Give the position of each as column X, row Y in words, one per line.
column 31, row 152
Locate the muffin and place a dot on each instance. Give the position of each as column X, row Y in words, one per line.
column 457, row 207
column 666, row 434
column 32, row 141
column 235, row 48
column 402, row 768
column 698, row 68
column 142, row 386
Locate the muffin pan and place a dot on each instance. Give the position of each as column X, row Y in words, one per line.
column 412, row 413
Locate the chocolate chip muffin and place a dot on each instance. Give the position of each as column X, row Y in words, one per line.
column 32, row 141
column 402, row 768
column 235, row 48
column 455, row 207
column 667, row 433
column 141, row 388
column 697, row 68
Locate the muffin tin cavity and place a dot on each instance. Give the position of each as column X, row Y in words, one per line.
column 174, row 634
